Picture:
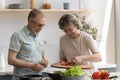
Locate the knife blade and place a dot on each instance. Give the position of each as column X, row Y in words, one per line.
column 43, row 56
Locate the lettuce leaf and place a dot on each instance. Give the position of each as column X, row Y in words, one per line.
column 73, row 71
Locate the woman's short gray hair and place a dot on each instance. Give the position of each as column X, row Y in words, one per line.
column 68, row 20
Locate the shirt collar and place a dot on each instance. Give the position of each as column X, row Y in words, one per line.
column 28, row 32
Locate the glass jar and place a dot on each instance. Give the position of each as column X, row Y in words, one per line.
column 47, row 4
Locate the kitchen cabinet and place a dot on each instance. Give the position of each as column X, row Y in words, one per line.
column 5, row 77
column 9, row 77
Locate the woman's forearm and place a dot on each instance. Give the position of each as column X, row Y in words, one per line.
column 93, row 58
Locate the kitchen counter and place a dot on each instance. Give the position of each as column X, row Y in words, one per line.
column 109, row 67
column 115, row 74
column 9, row 70
column 5, row 70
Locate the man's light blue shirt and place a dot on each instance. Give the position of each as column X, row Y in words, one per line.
column 29, row 48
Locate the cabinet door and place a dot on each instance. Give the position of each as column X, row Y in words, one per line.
column 5, row 77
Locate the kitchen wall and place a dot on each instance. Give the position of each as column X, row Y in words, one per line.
column 110, row 49
column 117, row 19
column 13, row 21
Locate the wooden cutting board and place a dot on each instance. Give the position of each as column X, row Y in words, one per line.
column 59, row 65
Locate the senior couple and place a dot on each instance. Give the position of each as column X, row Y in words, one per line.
column 27, row 45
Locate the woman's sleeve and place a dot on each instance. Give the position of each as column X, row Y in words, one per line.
column 91, row 43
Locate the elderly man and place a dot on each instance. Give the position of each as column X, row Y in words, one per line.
column 27, row 47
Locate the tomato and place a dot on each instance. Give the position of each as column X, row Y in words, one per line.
column 101, row 75
column 96, row 75
column 105, row 75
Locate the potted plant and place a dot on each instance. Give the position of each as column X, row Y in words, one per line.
column 73, row 73
column 93, row 31
column 87, row 27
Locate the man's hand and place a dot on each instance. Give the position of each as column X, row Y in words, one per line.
column 44, row 62
column 36, row 67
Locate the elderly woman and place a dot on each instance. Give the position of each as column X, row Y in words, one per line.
column 76, row 47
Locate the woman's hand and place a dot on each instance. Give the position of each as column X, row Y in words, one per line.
column 77, row 60
column 74, row 61
column 62, row 61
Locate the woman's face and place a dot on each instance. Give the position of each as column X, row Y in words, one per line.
column 71, row 31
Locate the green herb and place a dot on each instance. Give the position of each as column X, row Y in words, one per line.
column 73, row 71
column 113, row 77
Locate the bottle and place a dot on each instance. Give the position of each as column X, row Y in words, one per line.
column 32, row 4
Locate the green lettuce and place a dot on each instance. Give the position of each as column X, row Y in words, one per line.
column 73, row 71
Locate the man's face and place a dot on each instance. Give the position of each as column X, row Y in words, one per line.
column 37, row 24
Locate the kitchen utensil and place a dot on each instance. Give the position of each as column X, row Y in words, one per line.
column 59, row 65
column 55, row 75
column 71, row 77
column 15, row 6
column 27, row 77
column 43, row 56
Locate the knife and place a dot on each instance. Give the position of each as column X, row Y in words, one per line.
column 43, row 56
